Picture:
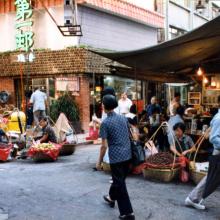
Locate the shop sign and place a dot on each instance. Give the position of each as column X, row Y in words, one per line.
column 24, row 33
column 68, row 84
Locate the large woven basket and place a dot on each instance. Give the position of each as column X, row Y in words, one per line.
column 67, row 149
column 161, row 175
column 196, row 176
column 41, row 157
column 106, row 167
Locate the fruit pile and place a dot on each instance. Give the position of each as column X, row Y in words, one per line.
column 43, row 146
column 161, row 159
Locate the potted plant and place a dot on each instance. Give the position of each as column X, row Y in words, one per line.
column 67, row 105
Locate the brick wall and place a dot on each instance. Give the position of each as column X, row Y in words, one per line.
column 83, row 101
column 7, row 84
column 56, row 64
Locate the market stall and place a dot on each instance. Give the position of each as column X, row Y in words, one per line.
column 193, row 59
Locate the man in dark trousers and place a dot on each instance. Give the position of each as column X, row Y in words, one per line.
column 115, row 135
column 195, row 198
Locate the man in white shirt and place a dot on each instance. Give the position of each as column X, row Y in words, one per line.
column 39, row 101
column 124, row 104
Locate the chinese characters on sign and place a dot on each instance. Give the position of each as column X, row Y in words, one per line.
column 24, row 35
column 68, row 84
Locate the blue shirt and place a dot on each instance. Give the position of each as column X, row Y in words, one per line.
column 184, row 143
column 151, row 108
column 214, row 137
column 115, row 129
column 173, row 121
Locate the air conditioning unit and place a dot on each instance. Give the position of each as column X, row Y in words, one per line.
column 69, row 11
column 70, row 27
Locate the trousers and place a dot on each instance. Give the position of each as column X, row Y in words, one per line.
column 118, row 190
column 37, row 115
column 197, row 193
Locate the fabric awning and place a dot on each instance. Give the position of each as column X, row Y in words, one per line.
column 178, row 57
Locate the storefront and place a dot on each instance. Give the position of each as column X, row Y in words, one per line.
column 55, row 72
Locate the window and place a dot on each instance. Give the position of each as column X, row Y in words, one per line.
column 133, row 88
column 215, row 11
column 175, row 32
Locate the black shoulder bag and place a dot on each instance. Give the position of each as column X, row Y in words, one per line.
column 138, row 153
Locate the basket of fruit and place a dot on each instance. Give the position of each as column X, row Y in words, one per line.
column 67, row 149
column 45, row 152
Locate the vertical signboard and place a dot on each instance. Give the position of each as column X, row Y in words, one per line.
column 24, row 23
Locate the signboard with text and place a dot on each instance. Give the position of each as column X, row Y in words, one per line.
column 68, row 84
column 24, row 23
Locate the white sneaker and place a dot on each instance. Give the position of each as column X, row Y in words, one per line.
column 189, row 202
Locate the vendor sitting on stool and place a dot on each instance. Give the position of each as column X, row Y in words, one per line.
column 48, row 132
column 184, row 145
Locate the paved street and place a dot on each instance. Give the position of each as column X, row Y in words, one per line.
column 70, row 190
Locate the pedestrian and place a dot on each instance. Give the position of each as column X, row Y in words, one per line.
column 175, row 103
column 107, row 91
column 124, row 104
column 39, row 102
column 177, row 117
column 132, row 115
column 115, row 135
column 153, row 106
column 195, row 198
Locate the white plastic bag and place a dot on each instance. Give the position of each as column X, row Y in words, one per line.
column 70, row 137
column 106, row 157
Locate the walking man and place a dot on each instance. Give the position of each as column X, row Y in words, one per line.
column 195, row 198
column 114, row 133
column 39, row 101
column 124, row 104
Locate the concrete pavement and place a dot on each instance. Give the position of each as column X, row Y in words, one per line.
column 70, row 190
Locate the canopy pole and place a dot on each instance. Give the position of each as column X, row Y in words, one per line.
column 135, row 72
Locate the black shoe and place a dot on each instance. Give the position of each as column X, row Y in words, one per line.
column 127, row 217
column 110, row 202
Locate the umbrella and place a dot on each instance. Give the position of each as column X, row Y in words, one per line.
column 213, row 178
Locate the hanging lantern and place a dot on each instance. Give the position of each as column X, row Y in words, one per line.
column 205, row 80
column 199, row 72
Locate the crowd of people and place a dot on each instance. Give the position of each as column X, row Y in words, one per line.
column 121, row 118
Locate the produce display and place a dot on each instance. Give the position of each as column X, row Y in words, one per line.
column 43, row 146
column 162, row 158
column 39, row 151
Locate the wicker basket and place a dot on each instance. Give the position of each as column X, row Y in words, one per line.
column 162, row 175
column 41, row 157
column 67, row 149
column 106, row 167
column 196, row 176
